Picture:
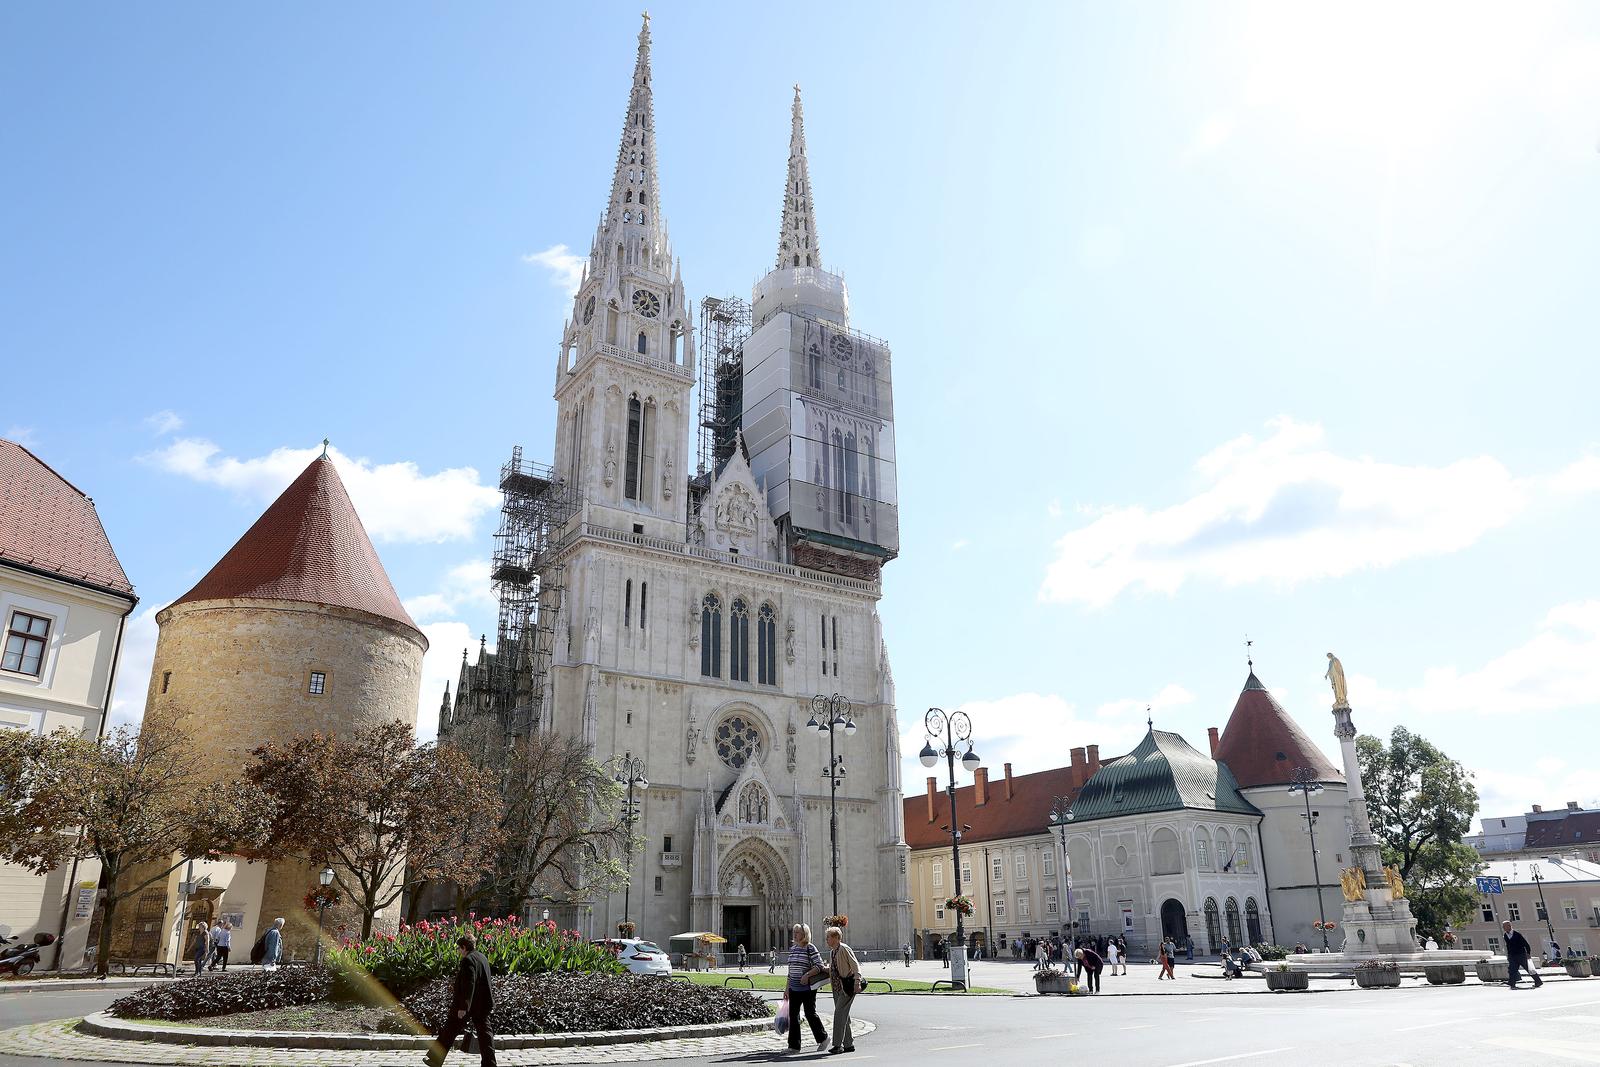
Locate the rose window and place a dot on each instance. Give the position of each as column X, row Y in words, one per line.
column 737, row 741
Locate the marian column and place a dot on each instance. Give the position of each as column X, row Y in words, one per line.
column 1377, row 918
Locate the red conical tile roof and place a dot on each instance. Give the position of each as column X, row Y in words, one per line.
column 308, row 546
column 1262, row 745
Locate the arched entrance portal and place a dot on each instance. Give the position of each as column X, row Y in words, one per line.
column 757, row 902
column 1174, row 921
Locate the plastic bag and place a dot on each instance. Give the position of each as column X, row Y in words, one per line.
column 780, row 1022
column 1072, row 987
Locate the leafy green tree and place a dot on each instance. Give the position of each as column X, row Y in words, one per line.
column 133, row 801
column 1421, row 803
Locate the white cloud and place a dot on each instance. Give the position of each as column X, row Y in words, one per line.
column 1053, row 509
column 1582, row 476
column 22, row 435
column 442, row 664
column 133, row 668
column 164, row 422
column 1212, row 133
column 1556, row 669
column 466, row 585
column 1170, row 696
column 1550, row 782
column 1285, row 509
column 566, row 268
column 957, row 546
column 396, row 501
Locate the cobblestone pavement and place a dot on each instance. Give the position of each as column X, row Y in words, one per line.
column 59, row 1041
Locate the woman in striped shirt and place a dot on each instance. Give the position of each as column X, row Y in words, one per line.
column 805, row 967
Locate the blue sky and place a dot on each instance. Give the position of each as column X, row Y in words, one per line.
column 1208, row 320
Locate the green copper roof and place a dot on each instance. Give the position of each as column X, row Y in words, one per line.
column 1162, row 774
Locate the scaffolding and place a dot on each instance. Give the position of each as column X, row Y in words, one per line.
column 724, row 328
column 536, row 506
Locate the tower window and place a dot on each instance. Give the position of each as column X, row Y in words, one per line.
column 739, row 642
column 640, row 451
column 318, row 684
column 166, row 680
column 644, row 344
column 644, row 591
column 627, row 604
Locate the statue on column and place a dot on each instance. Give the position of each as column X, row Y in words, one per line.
column 1341, row 695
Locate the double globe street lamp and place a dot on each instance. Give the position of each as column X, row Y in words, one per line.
column 627, row 770
column 1060, row 816
column 957, row 729
column 1304, row 784
column 830, row 715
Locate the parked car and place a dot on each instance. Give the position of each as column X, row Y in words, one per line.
column 640, row 957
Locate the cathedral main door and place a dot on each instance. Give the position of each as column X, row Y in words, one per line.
column 738, row 926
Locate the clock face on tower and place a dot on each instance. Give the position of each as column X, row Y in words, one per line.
column 646, row 303
column 588, row 311
column 841, row 348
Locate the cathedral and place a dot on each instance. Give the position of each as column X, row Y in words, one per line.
column 685, row 611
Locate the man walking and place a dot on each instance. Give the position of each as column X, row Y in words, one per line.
column 221, row 941
column 473, row 1001
column 743, row 955
column 1517, row 952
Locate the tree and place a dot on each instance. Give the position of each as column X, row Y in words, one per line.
column 368, row 805
column 132, row 801
column 562, row 831
column 1421, row 804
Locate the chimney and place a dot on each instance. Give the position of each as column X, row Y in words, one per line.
column 1094, row 758
column 1008, row 781
column 980, row 786
column 933, row 792
column 1537, row 809
column 1572, row 805
column 1211, row 733
column 1080, row 764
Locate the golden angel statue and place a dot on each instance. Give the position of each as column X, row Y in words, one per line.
column 1354, row 882
column 1397, row 888
column 1341, row 695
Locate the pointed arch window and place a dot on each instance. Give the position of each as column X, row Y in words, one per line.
column 711, row 636
column 1252, row 921
column 1232, row 912
column 739, row 642
column 767, row 645
column 1213, row 924
column 630, row 485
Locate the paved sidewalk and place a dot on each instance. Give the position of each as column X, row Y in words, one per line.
column 59, row 1041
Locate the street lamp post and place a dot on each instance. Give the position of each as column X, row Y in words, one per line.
column 628, row 770
column 326, row 878
column 1060, row 816
column 957, row 728
column 1548, row 925
column 1306, row 786
column 830, row 714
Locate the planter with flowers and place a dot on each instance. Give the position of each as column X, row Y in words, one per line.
column 841, row 921
column 962, row 905
column 1054, row 980
column 1491, row 970
column 1378, row 974
column 1281, row 979
column 1445, row 973
column 1579, row 966
column 627, row 929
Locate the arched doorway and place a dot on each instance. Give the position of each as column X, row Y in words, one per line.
column 1213, row 926
column 1252, row 921
column 1174, row 921
column 1232, row 912
column 755, row 896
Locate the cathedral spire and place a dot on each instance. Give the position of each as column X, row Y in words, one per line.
column 797, row 239
column 633, row 214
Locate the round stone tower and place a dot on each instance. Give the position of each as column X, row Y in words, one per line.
column 297, row 629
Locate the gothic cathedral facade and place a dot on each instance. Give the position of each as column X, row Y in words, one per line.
column 702, row 610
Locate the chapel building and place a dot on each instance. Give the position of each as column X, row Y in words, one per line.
column 687, row 616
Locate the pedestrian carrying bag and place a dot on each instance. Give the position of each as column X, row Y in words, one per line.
column 780, row 1022
column 258, row 951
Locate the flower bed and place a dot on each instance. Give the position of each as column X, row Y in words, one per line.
column 225, row 994
column 569, row 1003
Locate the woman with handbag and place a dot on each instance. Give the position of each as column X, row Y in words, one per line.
column 805, row 967
column 844, row 978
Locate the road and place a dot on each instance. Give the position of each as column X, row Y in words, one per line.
column 1415, row 1027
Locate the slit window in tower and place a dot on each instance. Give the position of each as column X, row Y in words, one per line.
column 647, row 449
column 643, row 344
column 630, row 485
column 767, row 646
column 851, row 485
column 711, row 636
column 836, row 646
column 823, row 619
column 627, row 603
column 739, row 642
column 644, row 593
column 838, row 472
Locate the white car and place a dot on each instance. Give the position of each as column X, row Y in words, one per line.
column 640, row 957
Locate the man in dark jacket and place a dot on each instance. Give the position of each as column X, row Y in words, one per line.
column 1089, row 963
column 1517, row 952
column 473, row 1001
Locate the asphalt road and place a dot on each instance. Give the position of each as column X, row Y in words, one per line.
column 1413, row 1027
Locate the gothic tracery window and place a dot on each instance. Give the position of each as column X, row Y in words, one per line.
column 739, row 642
column 738, row 741
column 711, row 636
column 767, row 646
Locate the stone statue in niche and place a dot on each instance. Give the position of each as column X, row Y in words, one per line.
column 611, row 461
column 789, row 749
column 694, row 626
column 788, row 639
column 693, row 738
column 753, row 805
column 736, row 511
column 667, row 478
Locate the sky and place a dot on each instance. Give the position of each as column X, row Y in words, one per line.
column 1211, row 323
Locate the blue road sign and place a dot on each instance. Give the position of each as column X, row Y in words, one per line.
column 1490, row 884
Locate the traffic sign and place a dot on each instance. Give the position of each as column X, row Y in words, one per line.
column 1489, row 884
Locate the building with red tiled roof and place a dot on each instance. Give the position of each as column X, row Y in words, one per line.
column 1268, row 751
column 296, row 629
column 1010, row 857
column 64, row 603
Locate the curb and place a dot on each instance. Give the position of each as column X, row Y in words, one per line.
column 56, row 985
column 102, row 1025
